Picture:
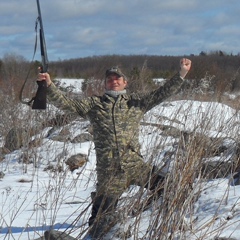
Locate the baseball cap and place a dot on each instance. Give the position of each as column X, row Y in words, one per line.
column 115, row 70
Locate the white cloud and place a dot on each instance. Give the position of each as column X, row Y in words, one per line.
column 77, row 27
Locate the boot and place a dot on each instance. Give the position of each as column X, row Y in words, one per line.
column 156, row 187
column 156, row 182
column 103, row 216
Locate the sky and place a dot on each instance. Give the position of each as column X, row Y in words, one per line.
column 79, row 28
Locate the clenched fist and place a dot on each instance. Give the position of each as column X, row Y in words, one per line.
column 185, row 65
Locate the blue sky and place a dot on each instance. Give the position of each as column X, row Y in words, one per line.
column 80, row 28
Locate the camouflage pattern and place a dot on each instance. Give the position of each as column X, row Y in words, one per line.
column 115, row 123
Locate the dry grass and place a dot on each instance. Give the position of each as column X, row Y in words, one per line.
column 182, row 186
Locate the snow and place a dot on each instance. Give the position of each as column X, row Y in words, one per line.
column 32, row 199
column 74, row 84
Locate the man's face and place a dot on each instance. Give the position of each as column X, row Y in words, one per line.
column 115, row 82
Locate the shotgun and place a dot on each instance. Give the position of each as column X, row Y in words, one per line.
column 40, row 100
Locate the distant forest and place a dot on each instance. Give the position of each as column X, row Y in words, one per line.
column 222, row 69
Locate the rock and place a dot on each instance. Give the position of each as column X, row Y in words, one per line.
column 81, row 138
column 16, row 138
column 3, row 151
column 57, row 235
column 76, row 161
column 216, row 169
column 62, row 136
column 2, row 174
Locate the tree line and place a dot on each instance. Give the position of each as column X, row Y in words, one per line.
column 223, row 68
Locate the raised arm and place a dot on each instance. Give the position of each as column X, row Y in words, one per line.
column 168, row 89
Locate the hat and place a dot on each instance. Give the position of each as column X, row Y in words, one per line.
column 115, row 70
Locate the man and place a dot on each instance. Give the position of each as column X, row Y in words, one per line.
column 115, row 118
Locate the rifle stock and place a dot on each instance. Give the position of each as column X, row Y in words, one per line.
column 40, row 100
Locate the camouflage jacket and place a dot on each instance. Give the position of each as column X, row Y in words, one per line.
column 116, row 121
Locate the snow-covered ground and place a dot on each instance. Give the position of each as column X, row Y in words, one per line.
column 32, row 199
column 74, row 84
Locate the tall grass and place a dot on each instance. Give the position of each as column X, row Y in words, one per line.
column 178, row 145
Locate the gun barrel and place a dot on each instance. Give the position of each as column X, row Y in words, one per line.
column 43, row 47
column 40, row 99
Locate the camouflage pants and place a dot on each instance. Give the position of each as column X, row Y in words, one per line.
column 109, row 189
